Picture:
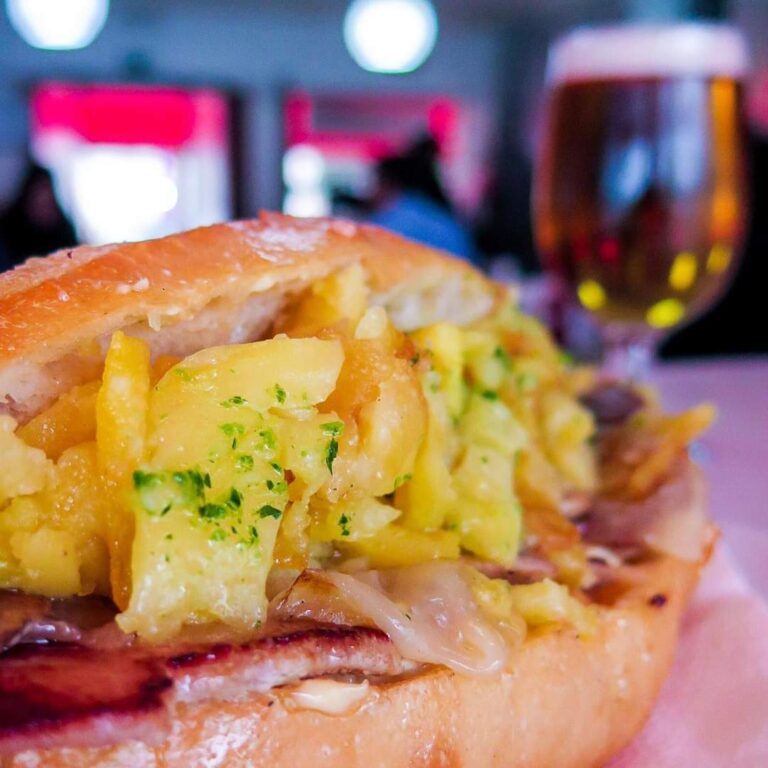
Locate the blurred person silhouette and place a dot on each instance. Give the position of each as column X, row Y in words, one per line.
column 410, row 200
column 34, row 223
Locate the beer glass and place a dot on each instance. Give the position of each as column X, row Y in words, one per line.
column 639, row 189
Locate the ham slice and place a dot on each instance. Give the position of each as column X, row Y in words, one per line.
column 57, row 695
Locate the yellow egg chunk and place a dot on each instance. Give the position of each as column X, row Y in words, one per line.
column 69, row 421
column 394, row 546
column 227, row 425
column 25, row 470
column 121, row 432
column 352, row 521
column 487, row 515
column 443, row 343
column 427, row 494
column 49, row 561
column 55, row 542
column 567, row 427
column 548, row 602
column 340, row 297
column 227, row 381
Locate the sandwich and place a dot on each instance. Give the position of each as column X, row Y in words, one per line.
column 292, row 492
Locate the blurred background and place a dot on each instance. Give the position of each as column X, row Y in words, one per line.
column 131, row 119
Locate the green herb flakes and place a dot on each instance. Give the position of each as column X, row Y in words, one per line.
column 212, row 511
column 232, row 428
column 235, row 499
column 244, row 463
column 159, row 492
column 503, row 357
column 344, row 525
column 268, row 439
column 401, row 479
column 331, row 452
column 269, row 511
column 280, row 394
column 219, row 535
column 233, row 401
column 332, row 428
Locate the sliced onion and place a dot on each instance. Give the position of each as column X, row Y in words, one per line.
column 672, row 520
column 429, row 613
column 524, row 570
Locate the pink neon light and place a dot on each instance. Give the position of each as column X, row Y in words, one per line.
column 124, row 114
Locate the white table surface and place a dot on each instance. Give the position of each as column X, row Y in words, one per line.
column 734, row 453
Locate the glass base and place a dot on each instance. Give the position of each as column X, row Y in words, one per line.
column 629, row 352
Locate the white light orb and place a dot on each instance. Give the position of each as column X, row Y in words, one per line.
column 390, row 36
column 303, row 167
column 58, row 25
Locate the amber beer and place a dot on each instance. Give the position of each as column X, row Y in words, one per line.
column 639, row 195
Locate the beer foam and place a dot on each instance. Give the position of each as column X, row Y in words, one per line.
column 648, row 50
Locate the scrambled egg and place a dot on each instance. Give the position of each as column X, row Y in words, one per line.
column 175, row 486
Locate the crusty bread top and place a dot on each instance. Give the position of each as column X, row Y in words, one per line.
column 52, row 308
column 77, row 294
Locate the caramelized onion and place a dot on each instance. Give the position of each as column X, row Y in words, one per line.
column 429, row 613
column 671, row 520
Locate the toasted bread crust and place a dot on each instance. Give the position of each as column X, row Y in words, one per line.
column 214, row 285
column 566, row 702
column 50, row 306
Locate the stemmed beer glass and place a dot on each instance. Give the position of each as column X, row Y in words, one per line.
column 639, row 192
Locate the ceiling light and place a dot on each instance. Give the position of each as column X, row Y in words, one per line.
column 391, row 36
column 58, row 24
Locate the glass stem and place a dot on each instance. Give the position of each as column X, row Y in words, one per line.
column 629, row 353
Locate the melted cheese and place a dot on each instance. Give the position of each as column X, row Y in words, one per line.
column 429, row 613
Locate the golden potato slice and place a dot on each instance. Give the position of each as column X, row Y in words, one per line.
column 121, row 433
column 71, row 420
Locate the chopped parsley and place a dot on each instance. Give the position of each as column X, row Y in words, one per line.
column 489, row 394
column 219, row 535
column 268, row 439
column 277, row 487
column 280, row 394
column 235, row 499
column 212, row 511
column 331, row 452
column 244, row 463
column 183, row 374
column 269, row 511
column 146, row 479
column 277, row 468
column 503, row 357
column 400, row 479
column 344, row 525
column 332, row 428
column 207, row 480
column 526, row 381
column 233, row 401
column 232, row 428
column 158, row 492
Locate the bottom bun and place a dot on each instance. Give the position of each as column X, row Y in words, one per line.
column 565, row 702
